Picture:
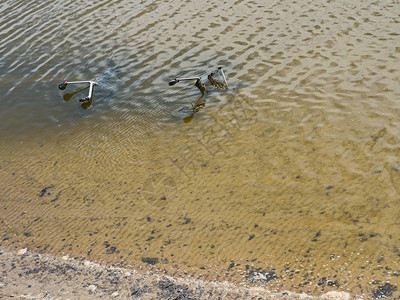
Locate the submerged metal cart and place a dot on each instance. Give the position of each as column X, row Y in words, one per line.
column 91, row 83
column 205, row 82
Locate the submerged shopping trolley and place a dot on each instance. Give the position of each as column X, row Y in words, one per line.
column 205, row 82
column 91, row 83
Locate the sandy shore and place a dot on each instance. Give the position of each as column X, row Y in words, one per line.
column 28, row 275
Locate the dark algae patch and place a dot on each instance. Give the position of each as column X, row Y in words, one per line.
column 325, row 281
column 111, row 250
column 137, row 291
column 170, row 290
column 259, row 275
column 45, row 191
column 316, row 236
column 150, row 260
column 384, row 291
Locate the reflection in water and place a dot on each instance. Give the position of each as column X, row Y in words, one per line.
column 68, row 96
column 86, row 103
column 196, row 107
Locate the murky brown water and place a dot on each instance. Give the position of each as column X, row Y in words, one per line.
column 290, row 179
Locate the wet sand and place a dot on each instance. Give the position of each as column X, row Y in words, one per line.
column 28, row 275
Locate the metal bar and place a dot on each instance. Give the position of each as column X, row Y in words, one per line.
column 72, row 82
column 223, row 75
column 91, row 89
column 188, row 78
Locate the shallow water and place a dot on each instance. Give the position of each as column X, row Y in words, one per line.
column 290, row 179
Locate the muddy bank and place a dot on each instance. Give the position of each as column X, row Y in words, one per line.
column 25, row 274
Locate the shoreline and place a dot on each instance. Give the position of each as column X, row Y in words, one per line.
column 29, row 275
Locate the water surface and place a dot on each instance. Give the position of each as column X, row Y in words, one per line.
column 290, row 179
